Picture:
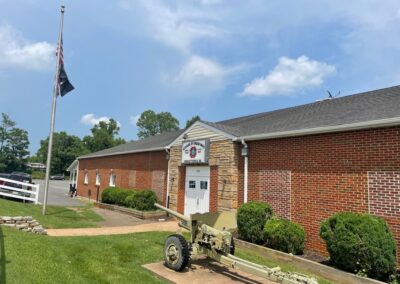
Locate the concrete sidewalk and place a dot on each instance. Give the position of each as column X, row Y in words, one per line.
column 170, row 226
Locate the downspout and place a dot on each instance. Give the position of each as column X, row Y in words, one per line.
column 246, row 172
column 77, row 177
column 168, row 182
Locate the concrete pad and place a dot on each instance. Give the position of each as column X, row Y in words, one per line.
column 205, row 271
column 159, row 226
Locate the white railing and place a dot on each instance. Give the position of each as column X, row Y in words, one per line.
column 19, row 190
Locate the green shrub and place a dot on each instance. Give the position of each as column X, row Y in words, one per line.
column 142, row 200
column 360, row 243
column 284, row 235
column 251, row 218
column 120, row 195
column 38, row 175
column 115, row 195
column 138, row 199
column 106, row 195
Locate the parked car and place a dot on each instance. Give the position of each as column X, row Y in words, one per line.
column 3, row 175
column 17, row 176
column 22, row 177
column 58, row 177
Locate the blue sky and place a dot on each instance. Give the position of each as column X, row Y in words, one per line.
column 213, row 58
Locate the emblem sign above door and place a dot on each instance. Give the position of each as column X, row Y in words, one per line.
column 195, row 152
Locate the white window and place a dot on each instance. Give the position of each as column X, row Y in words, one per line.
column 113, row 177
column 97, row 178
column 86, row 179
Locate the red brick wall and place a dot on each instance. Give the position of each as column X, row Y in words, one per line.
column 275, row 189
column 214, row 189
column 329, row 173
column 136, row 171
column 384, row 196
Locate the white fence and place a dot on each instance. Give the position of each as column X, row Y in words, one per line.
column 19, row 190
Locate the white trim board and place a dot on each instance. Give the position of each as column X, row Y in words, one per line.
column 204, row 125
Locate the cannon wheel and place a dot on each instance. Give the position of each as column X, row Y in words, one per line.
column 176, row 252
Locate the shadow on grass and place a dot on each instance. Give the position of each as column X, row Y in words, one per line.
column 2, row 258
column 56, row 212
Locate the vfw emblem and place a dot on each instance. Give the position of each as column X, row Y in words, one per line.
column 193, row 152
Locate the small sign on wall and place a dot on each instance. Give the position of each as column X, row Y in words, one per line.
column 195, row 152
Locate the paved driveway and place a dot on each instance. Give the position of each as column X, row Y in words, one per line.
column 58, row 193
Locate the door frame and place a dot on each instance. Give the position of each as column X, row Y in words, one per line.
column 205, row 174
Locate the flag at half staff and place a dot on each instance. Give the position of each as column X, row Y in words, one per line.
column 63, row 86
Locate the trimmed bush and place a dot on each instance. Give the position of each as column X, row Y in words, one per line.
column 251, row 218
column 106, row 195
column 142, row 200
column 115, row 195
column 138, row 199
column 283, row 235
column 360, row 243
column 119, row 196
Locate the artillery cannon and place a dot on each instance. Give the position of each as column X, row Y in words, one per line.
column 210, row 235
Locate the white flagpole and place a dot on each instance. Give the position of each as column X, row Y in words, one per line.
column 53, row 114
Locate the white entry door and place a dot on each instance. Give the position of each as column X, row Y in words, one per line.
column 197, row 190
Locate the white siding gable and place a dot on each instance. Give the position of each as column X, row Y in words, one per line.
column 199, row 131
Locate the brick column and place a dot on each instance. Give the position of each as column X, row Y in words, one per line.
column 213, row 188
column 181, row 189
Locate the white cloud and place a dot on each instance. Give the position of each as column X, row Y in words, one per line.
column 197, row 68
column 290, row 75
column 16, row 52
column 90, row 119
column 200, row 76
column 134, row 119
column 179, row 25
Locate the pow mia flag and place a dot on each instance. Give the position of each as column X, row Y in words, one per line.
column 63, row 84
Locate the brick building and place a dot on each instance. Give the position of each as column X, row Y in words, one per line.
column 308, row 162
column 139, row 164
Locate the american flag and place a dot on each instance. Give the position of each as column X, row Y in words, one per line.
column 64, row 86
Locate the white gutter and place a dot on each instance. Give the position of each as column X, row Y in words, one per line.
column 77, row 176
column 121, row 153
column 168, row 182
column 387, row 122
column 246, row 173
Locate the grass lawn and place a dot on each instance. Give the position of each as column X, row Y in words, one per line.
column 56, row 216
column 30, row 258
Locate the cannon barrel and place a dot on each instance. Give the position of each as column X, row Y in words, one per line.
column 173, row 213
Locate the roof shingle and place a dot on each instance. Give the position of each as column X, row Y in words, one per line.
column 363, row 107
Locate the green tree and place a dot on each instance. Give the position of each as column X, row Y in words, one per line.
column 66, row 148
column 103, row 136
column 192, row 120
column 14, row 145
column 151, row 123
